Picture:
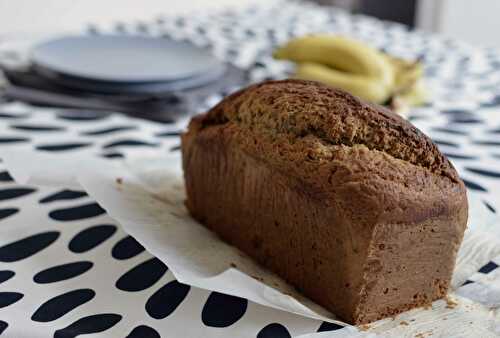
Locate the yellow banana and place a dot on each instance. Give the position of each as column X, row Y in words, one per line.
column 355, row 67
column 409, row 88
column 406, row 73
column 340, row 53
column 416, row 95
column 366, row 87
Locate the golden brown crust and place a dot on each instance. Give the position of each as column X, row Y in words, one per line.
column 316, row 118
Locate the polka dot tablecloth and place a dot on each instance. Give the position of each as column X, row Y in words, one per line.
column 68, row 269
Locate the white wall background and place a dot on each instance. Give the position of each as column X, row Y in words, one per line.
column 20, row 16
column 474, row 21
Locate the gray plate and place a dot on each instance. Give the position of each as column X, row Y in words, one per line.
column 124, row 59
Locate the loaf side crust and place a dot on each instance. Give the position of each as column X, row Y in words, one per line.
column 338, row 251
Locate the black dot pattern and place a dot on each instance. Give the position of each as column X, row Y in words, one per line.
column 3, row 326
column 8, row 298
column 143, row 331
column 5, row 177
column 274, row 330
column 27, row 247
column 91, row 237
column 62, row 272
column 91, row 324
column 5, row 275
column 77, row 213
column 62, row 146
column 60, row 305
column 107, row 131
column 6, row 194
column 142, row 276
column 221, row 310
column 164, row 301
column 4, row 213
column 127, row 248
column 63, row 195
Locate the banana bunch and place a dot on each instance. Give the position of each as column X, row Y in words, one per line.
column 355, row 67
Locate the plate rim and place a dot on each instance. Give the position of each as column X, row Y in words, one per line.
column 38, row 61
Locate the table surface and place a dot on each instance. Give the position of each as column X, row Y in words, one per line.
column 67, row 268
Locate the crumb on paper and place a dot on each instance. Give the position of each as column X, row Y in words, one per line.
column 258, row 278
column 364, row 327
column 119, row 180
column 404, row 323
column 424, row 334
column 233, row 265
column 450, row 304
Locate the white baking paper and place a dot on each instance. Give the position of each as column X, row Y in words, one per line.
column 145, row 195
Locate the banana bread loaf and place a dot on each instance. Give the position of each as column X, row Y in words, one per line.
column 348, row 202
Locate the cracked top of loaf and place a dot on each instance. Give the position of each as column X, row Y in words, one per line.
column 298, row 110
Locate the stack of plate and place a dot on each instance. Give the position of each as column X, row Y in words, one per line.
column 149, row 77
column 125, row 64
